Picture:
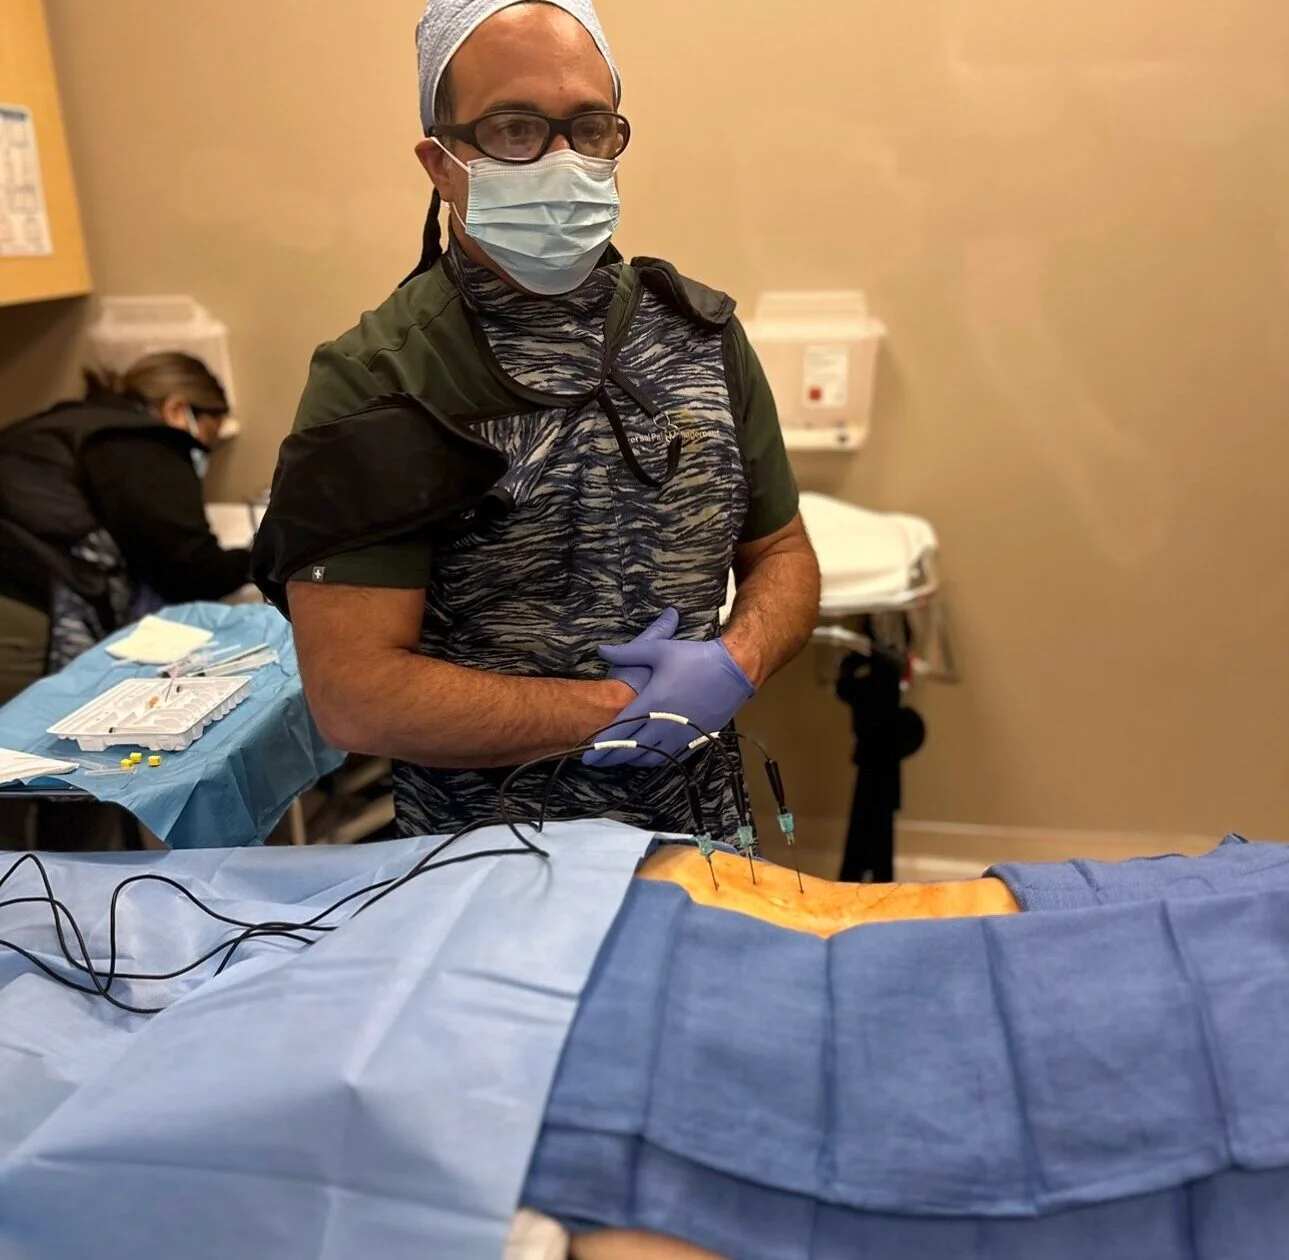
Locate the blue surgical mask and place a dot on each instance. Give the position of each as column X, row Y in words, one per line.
column 544, row 224
column 200, row 455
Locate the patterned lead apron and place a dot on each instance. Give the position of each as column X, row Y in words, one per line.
column 629, row 497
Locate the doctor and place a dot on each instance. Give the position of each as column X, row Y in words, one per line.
column 515, row 491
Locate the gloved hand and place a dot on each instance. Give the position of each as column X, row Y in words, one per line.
column 637, row 676
column 698, row 681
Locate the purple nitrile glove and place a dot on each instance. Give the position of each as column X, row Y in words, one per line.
column 698, row 681
column 637, row 676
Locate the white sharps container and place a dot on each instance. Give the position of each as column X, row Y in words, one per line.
column 819, row 352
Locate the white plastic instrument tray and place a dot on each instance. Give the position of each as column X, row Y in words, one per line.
column 145, row 713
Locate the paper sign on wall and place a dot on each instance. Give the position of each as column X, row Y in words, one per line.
column 24, row 223
column 827, row 377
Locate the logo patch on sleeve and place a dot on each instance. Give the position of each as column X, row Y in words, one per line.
column 319, row 572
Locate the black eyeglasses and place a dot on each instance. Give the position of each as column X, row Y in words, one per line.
column 522, row 136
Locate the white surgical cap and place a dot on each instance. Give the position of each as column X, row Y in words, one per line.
column 447, row 24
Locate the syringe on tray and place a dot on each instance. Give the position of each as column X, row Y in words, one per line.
column 214, row 664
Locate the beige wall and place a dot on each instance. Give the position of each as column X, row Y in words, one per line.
column 1074, row 218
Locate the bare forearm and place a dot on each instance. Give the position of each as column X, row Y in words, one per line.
column 371, row 691
column 428, row 712
column 775, row 611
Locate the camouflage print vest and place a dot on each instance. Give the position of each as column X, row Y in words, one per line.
column 626, row 494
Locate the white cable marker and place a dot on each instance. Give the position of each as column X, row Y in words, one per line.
column 614, row 745
column 670, row 717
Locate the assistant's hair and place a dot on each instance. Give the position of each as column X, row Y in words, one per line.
column 156, row 377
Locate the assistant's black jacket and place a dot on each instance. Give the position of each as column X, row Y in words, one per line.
column 107, row 462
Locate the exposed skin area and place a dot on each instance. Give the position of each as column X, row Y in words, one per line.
column 825, row 908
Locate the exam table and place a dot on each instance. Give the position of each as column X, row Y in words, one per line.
column 1063, row 1061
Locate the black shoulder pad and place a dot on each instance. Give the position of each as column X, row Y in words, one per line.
column 707, row 307
column 392, row 469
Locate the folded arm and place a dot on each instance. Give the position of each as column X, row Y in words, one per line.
column 370, row 690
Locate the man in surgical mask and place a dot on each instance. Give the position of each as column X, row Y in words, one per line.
column 508, row 514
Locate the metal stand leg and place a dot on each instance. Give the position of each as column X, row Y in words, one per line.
column 351, row 814
column 299, row 828
column 885, row 734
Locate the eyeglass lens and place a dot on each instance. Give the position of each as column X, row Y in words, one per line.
column 518, row 137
